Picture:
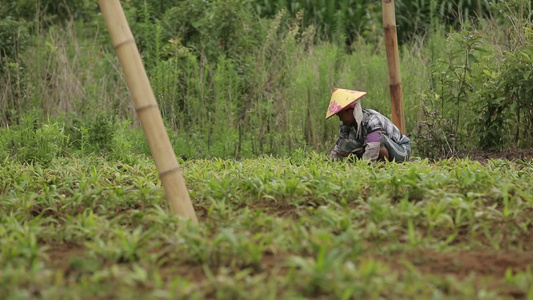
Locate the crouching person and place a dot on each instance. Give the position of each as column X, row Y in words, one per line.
column 365, row 133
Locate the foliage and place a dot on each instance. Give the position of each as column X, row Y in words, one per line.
column 347, row 20
column 503, row 102
column 209, row 28
column 434, row 136
column 342, row 20
column 265, row 88
column 48, row 11
column 33, row 141
column 36, row 141
column 480, row 92
column 93, row 135
column 452, row 75
column 293, row 227
column 83, row 214
column 14, row 37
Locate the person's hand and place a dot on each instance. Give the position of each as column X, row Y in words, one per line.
column 337, row 154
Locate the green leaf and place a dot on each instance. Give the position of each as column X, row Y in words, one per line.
column 472, row 58
column 527, row 74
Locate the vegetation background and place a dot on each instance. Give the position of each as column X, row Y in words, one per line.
column 83, row 214
column 238, row 78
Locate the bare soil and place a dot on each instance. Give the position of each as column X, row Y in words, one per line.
column 460, row 263
column 509, row 154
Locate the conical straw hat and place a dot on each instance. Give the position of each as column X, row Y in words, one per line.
column 342, row 98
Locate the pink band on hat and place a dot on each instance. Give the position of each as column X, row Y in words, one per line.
column 336, row 108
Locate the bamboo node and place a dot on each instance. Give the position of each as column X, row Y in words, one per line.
column 173, row 170
column 128, row 41
column 394, row 85
column 140, row 109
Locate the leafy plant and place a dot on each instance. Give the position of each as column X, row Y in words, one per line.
column 35, row 142
column 435, row 136
column 14, row 37
column 50, row 12
column 293, row 227
column 502, row 103
column 94, row 134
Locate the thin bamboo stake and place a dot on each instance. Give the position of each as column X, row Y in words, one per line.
column 393, row 61
column 147, row 109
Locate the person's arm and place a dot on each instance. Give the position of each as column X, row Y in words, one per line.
column 373, row 143
column 337, row 153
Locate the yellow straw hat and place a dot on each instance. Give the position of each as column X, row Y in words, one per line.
column 340, row 99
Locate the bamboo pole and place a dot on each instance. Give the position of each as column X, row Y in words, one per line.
column 147, row 109
column 393, row 61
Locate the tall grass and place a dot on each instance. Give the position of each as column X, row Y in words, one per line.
column 61, row 72
column 266, row 99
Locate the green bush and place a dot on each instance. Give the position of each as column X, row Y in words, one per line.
column 349, row 19
column 124, row 146
column 247, row 77
column 93, row 134
column 455, row 84
column 503, row 102
column 14, row 37
column 481, row 92
column 434, row 136
column 208, row 28
column 33, row 141
column 342, row 20
column 48, row 11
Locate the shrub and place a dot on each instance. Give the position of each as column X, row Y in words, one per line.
column 503, row 102
column 123, row 143
column 14, row 37
column 33, row 141
column 94, row 134
column 434, row 135
column 48, row 11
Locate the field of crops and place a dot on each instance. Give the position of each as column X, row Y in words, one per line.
column 269, row 228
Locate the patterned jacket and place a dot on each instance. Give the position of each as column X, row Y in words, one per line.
column 350, row 141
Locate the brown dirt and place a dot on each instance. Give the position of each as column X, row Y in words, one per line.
column 279, row 209
column 461, row 263
column 512, row 236
column 59, row 255
column 201, row 213
column 509, row 154
column 456, row 263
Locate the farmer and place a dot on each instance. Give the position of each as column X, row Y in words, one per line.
column 365, row 132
